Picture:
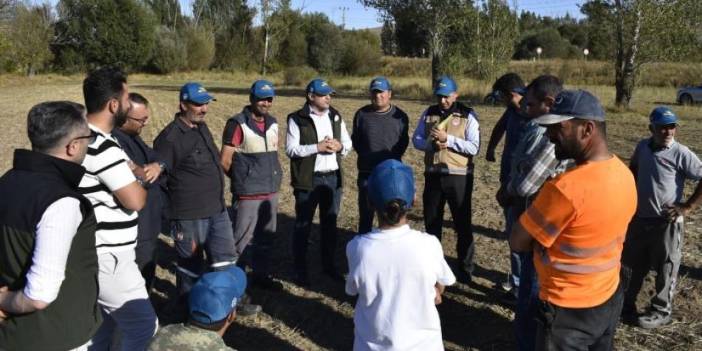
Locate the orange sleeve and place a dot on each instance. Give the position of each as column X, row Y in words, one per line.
column 548, row 215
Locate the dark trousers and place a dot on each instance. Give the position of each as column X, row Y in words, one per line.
column 255, row 220
column 562, row 328
column 365, row 212
column 145, row 252
column 457, row 190
column 652, row 244
column 527, row 304
column 327, row 195
column 195, row 237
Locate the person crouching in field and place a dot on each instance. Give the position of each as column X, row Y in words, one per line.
column 398, row 273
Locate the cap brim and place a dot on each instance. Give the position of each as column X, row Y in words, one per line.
column 552, row 119
column 444, row 92
column 264, row 96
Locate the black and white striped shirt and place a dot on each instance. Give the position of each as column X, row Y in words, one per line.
column 107, row 171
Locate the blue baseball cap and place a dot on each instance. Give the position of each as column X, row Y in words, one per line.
column 662, row 116
column 391, row 180
column 571, row 104
column 262, row 89
column 195, row 92
column 379, row 84
column 320, row 87
column 445, row 86
column 216, row 294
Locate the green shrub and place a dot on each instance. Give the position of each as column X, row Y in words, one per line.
column 405, row 66
column 361, row 53
column 169, row 54
column 200, row 47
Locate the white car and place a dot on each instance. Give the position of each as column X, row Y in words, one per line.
column 690, row 95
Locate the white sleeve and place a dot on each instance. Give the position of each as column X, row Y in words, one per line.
column 292, row 142
column 471, row 144
column 346, row 142
column 55, row 232
column 351, row 282
column 444, row 275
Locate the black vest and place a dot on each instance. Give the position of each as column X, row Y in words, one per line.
column 256, row 172
column 26, row 191
column 302, row 168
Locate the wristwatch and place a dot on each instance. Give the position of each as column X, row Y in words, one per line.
column 162, row 165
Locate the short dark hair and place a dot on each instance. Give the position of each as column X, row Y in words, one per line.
column 139, row 99
column 508, row 82
column 393, row 212
column 545, row 85
column 48, row 123
column 101, row 85
column 600, row 125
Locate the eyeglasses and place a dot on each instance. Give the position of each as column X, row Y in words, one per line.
column 91, row 138
column 140, row 121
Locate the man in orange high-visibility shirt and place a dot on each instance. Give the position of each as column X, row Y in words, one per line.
column 576, row 227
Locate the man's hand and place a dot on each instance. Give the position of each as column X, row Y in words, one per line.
column 490, row 155
column 439, row 290
column 336, row 145
column 151, row 172
column 325, row 146
column 439, row 145
column 439, row 134
column 676, row 210
column 137, row 170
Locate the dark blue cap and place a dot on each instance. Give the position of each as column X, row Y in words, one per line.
column 571, row 104
column 195, row 92
column 262, row 89
column 320, row 87
column 216, row 294
column 379, row 84
column 445, row 86
column 662, row 116
column 391, row 180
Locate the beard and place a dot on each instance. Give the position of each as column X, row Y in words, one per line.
column 121, row 116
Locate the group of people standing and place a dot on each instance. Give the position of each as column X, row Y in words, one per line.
column 80, row 214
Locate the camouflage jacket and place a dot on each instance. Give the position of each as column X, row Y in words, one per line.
column 180, row 337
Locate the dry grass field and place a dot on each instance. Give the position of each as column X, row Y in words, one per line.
column 320, row 318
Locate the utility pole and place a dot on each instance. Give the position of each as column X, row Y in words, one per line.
column 343, row 16
column 265, row 14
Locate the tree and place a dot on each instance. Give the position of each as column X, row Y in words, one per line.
column 432, row 16
column 648, row 31
column 387, row 38
column 30, row 34
column 361, row 53
column 497, row 32
column 231, row 22
column 167, row 12
column 97, row 32
column 324, row 42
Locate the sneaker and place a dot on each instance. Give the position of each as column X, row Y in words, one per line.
column 246, row 308
column 266, row 282
column 654, row 320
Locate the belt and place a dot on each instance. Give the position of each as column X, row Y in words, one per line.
column 325, row 174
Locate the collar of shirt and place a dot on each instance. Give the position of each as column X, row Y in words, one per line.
column 655, row 148
column 388, row 234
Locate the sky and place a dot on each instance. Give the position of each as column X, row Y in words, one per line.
column 358, row 17
column 353, row 15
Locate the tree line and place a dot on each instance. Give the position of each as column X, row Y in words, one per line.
column 462, row 37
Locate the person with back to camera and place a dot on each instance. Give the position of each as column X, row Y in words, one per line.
column 398, row 273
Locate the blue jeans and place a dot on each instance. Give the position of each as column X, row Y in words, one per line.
column 365, row 212
column 213, row 235
column 512, row 214
column 327, row 195
column 527, row 302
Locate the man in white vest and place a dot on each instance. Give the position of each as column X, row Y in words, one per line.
column 250, row 158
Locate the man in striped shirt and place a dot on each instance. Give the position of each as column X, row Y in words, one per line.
column 112, row 183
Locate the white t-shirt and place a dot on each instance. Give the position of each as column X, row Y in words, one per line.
column 393, row 272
